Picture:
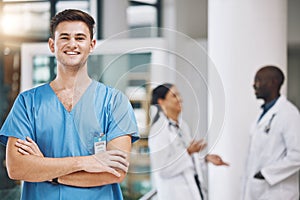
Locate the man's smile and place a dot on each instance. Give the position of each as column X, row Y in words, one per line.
column 72, row 53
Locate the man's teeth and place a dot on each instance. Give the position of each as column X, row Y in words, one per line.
column 71, row 53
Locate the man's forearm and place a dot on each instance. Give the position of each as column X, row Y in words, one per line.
column 36, row 169
column 85, row 179
column 30, row 167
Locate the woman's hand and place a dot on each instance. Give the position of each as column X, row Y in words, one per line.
column 28, row 147
column 196, row 146
column 215, row 159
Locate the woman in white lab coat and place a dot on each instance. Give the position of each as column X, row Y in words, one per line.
column 176, row 168
column 274, row 153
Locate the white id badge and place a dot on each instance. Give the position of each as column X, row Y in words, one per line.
column 99, row 142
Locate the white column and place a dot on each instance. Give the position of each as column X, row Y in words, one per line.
column 242, row 37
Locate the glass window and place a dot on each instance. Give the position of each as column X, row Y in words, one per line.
column 145, row 1
column 26, row 19
column 81, row 5
column 143, row 13
column 31, row 19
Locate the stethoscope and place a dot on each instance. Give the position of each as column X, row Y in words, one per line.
column 178, row 132
column 268, row 127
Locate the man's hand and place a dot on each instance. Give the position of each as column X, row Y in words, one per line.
column 107, row 161
column 215, row 159
column 28, row 147
column 196, row 146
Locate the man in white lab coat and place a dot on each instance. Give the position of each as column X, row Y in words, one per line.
column 274, row 153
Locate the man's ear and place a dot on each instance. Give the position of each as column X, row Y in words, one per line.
column 93, row 45
column 274, row 82
column 51, row 44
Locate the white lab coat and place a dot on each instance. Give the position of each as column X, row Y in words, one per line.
column 171, row 166
column 276, row 154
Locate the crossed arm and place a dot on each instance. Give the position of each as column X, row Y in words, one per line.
column 26, row 162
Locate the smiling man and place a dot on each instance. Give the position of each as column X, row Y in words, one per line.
column 70, row 138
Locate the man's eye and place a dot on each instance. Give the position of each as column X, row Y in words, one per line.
column 64, row 38
column 80, row 38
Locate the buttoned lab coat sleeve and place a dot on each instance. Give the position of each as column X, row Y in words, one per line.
column 289, row 119
column 169, row 156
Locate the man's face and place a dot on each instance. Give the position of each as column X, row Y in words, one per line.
column 262, row 83
column 72, row 44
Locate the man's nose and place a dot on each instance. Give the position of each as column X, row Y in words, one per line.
column 72, row 42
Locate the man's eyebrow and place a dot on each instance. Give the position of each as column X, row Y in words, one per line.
column 77, row 34
column 80, row 34
column 64, row 34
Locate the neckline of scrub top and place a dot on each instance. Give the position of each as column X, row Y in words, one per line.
column 83, row 94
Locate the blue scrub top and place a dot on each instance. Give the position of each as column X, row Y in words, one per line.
column 38, row 114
